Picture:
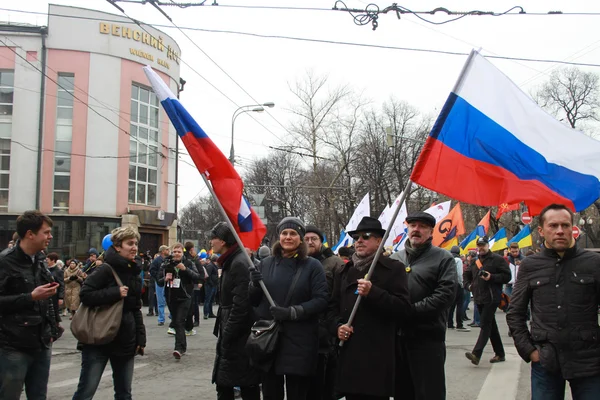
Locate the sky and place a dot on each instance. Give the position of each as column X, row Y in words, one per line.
column 266, row 67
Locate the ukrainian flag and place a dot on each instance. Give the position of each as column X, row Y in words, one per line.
column 523, row 238
column 470, row 242
column 500, row 242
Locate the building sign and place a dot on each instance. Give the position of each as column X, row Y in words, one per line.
column 144, row 38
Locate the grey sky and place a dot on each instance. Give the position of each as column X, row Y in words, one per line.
column 264, row 67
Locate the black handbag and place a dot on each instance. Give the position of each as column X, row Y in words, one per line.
column 263, row 341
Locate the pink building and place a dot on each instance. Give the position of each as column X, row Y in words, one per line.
column 82, row 136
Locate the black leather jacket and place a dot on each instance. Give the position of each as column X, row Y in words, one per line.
column 24, row 324
column 564, row 294
column 487, row 292
column 432, row 286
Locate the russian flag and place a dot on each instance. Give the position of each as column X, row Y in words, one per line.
column 495, row 137
column 209, row 160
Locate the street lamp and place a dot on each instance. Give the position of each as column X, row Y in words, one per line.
column 241, row 110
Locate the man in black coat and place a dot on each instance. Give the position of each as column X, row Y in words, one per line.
column 179, row 276
column 562, row 285
column 484, row 278
column 27, row 319
column 421, row 347
column 366, row 365
column 235, row 318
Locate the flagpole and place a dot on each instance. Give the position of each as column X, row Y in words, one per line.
column 237, row 238
column 380, row 251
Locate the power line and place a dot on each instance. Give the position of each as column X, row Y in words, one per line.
column 334, row 42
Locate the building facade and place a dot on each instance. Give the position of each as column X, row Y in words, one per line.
column 82, row 137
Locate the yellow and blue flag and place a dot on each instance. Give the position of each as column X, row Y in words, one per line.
column 499, row 241
column 523, row 238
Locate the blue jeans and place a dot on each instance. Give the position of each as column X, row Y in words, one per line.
column 476, row 314
column 549, row 386
column 93, row 362
column 160, row 298
column 209, row 295
column 29, row 368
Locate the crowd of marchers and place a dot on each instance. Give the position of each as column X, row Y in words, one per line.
column 393, row 346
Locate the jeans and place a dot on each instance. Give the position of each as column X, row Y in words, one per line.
column 549, row 386
column 420, row 373
column 152, row 306
column 457, row 305
column 29, row 368
column 508, row 290
column 179, row 310
column 93, row 362
column 489, row 330
column 476, row 315
column 296, row 387
column 160, row 299
column 466, row 301
column 247, row 392
column 209, row 295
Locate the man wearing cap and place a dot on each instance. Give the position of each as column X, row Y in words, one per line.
column 234, row 319
column 484, row 278
column 421, row 347
column 322, row 386
column 366, row 366
column 90, row 264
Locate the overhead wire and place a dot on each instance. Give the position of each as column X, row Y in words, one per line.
column 333, row 42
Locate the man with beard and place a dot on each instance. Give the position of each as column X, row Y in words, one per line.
column 367, row 363
column 421, row 347
column 322, row 385
column 562, row 285
column 484, row 278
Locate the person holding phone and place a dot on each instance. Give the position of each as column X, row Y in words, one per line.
column 484, row 278
column 27, row 318
column 101, row 289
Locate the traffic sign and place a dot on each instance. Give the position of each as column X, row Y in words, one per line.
column 576, row 232
column 526, row 218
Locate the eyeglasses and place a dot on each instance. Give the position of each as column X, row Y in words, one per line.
column 311, row 238
column 364, row 236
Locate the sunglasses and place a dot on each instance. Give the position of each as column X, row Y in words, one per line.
column 364, row 236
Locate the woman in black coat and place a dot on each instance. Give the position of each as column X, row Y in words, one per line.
column 101, row 289
column 234, row 320
column 296, row 357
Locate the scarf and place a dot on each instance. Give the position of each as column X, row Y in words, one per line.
column 413, row 253
column 223, row 258
column 362, row 263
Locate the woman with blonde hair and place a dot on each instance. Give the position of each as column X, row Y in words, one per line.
column 101, row 289
column 74, row 277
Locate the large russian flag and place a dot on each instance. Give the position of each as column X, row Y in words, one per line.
column 209, row 160
column 493, row 144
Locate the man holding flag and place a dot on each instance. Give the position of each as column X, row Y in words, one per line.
column 421, row 347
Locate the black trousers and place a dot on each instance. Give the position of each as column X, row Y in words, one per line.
column 458, row 306
column 248, row 392
column 420, row 371
column 322, row 385
column 489, row 330
column 194, row 309
column 152, row 302
column 296, row 387
column 179, row 310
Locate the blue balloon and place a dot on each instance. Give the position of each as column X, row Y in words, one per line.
column 203, row 255
column 107, row 242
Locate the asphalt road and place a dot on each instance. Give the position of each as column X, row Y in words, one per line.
column 158, row 375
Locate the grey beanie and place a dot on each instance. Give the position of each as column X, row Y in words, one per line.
column 455, row 250
column 221, row 231
column 292, row 223
column 263, row 252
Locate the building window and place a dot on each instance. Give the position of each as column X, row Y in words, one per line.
column 6, row 110
column 143, row 147
column 62, row 145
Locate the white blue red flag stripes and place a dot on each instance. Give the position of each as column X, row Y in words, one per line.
column 493, row 138
column 209, row 160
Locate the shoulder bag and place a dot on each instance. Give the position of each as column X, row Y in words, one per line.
column 98, row 325
column 264, row 335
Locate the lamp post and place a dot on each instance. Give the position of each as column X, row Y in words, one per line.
column 583, row 223
column 241, row 110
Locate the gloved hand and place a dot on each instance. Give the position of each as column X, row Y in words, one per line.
column 255, row 276
column 73, row 278
column 287, row 313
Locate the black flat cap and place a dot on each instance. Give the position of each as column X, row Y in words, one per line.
column 421, row 216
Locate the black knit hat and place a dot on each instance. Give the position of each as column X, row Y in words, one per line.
column 292, row 223
column 455, row 250
column 221, row 231
column 317, row 231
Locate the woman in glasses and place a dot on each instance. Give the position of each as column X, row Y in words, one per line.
column 366, row 364
column 297, row 354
